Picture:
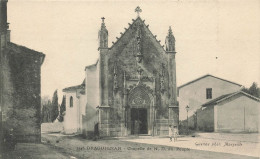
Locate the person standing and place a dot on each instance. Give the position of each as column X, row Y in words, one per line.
column 170, row 132
column 137, row 127
column 175, row 133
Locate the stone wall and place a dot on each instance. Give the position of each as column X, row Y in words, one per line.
column 22, row 92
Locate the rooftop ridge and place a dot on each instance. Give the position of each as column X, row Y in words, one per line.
column 129, row 26
column 199, row 78
column 122, row 34
column 227, row 96
column 71, row 88
column 11, row 44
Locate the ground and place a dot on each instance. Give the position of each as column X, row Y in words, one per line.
column 60, row 146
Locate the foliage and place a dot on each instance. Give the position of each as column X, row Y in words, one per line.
column 46, row 112
column 254, row 90
column 50, row 108
column 62, row 109
column 63, row 105
column 55, row 106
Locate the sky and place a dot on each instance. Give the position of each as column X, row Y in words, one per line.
column 212, row 36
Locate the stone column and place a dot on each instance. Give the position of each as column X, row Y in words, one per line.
column 173, row 104
column 103, row 80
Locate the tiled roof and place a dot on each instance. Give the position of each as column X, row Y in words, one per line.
column 93, row 65
column 227, row 96
column 73, row 88
column 208, row 75
column 214, row 101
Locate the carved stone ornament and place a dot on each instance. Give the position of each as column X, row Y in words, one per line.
column 115, row 78
column 162, row 85
column 140, row 72
column 139, row 55
column 162, row 79
column 139, row 97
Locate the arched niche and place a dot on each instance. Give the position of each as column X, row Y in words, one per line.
column 139, row 97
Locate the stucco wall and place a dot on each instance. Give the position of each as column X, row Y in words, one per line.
column 92, row 95
column 241, row 113
column 83, row 102
column 71, row 119
column 194, row 94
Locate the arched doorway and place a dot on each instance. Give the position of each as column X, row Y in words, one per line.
column 139, row 102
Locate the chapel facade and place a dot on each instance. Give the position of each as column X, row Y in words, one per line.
column 131, row 89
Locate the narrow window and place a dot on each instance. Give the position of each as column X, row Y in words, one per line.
column 209, row 93
column 71, row 101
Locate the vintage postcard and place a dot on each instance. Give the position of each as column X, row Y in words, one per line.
column 129, row 79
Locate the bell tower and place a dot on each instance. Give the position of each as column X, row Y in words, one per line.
column 4, row 26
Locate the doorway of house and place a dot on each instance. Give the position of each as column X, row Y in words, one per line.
column 139, row 121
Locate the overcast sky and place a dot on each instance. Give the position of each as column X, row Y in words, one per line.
column 212, row 37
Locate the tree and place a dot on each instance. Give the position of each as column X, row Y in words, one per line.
column 254, row 90
column 44, row 100
column 45, row 109
column 62, row 109
column 46, row 112
column 54, row 106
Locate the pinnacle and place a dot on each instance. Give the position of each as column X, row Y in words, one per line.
column 170, row 30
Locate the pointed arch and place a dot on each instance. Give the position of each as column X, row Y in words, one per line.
column 139, row 97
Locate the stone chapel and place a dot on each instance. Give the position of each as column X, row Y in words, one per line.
column 130, row 89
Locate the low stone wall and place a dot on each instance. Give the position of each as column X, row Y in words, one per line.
column 162, row 127
column 52, row 127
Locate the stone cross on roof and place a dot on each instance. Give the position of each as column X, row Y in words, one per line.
column 103, row 19
column 138, row 10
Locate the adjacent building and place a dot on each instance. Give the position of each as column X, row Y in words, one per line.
column 201, row 90
column 20, row 86
column 234, row 112
column 218, row 105
column 131, row 89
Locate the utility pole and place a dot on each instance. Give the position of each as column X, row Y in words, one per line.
column 1, row 102
column 187, row 109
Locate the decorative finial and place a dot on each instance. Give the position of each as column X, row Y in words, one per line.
column 170, row 41
column 138, row 10
column 170, row 30
column 103, row 19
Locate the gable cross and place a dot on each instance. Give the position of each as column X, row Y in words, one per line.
column 138, row 10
